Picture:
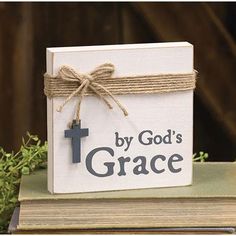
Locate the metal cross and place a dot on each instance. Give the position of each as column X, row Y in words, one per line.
column 76, row 133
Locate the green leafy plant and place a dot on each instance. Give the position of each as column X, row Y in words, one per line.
column 202, row 156
column 32, row 155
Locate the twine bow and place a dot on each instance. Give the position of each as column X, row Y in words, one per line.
column 85, row 81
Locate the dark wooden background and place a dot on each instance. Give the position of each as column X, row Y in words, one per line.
column 26, row 29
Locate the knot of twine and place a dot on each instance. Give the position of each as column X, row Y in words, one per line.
column 88, row 80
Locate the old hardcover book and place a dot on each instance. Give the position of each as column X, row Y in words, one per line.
column 209, row 202
column 187, row 230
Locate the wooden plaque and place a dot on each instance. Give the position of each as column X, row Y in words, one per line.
column 151, row 147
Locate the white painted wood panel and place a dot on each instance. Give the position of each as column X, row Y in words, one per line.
column 155, row 112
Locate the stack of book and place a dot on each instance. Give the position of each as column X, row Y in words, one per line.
column 209, row 204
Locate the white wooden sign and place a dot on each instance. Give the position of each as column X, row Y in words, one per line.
column 151, row 147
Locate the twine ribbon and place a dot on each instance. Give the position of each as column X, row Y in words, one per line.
column 69, row 83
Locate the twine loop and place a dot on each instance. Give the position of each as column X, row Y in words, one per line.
column 88, row 80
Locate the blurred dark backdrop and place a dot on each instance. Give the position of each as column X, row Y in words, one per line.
column 26, row 29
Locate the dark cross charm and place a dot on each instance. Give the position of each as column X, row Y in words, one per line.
column 76, row 133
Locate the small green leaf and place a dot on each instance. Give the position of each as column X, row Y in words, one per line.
column 25, row 170
column 25, row 152
column 11, row 168
column 201, row 157
column 35, row 138
column 13, row 199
